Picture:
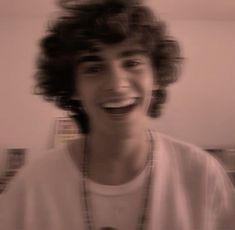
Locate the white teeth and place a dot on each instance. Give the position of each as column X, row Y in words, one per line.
column 119, row 103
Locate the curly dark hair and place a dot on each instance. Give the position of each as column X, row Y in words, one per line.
column 108, row 22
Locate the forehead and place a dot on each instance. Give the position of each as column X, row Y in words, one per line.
column 123, row 49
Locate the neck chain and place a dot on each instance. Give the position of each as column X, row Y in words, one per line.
column 87, row 207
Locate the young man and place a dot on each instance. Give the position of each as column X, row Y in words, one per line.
column 108, row 62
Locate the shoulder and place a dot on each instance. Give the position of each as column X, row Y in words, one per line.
column 59, row 158
column 174, row 147
column 48, row 169
column 40, row 169
column 195, row 169
column 192, row 165
column 188, row 159
column 48, row 162
column 50, row 177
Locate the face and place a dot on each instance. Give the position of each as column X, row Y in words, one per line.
column 114, row 84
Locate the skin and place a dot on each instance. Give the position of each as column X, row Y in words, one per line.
column 117, row 144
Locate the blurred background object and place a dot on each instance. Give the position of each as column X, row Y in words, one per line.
column 65, row 129
column 11, row 164
column 227, row 158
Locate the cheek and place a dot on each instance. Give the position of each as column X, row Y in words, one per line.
column 82, row 93
column 83, row 88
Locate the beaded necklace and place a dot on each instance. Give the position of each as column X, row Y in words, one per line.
column 87, row 207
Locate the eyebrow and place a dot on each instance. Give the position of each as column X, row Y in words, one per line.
column 96, row 57
column 132, row 52
column 89, row 58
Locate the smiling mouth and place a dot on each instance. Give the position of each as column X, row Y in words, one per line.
column 120, row 107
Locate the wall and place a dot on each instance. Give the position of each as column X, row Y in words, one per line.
column 26, row 121
column 200, row 108
column 201, row 105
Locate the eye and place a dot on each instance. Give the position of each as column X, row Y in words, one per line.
column 92, row 69
column 133, row 63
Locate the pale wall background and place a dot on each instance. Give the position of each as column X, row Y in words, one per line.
column 200, row 109
column 201, row 106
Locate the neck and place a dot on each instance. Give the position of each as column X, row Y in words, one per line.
column 115, row 159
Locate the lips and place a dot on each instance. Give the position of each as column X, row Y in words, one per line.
column 120, row 106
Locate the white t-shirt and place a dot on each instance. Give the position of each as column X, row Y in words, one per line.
column 190, row 192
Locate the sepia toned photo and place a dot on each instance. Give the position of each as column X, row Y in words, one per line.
column 125, row 109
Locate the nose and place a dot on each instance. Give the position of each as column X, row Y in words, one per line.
column 116, row 79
